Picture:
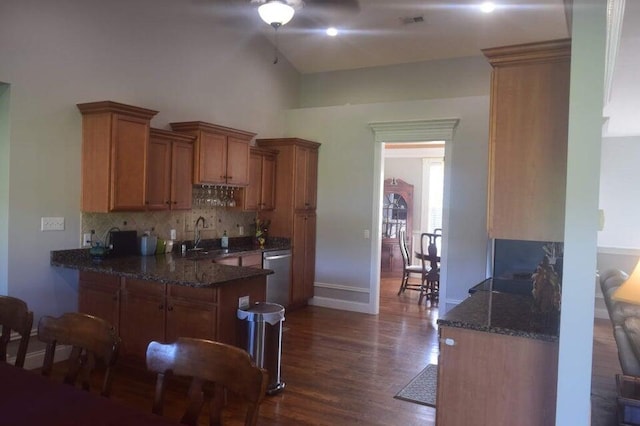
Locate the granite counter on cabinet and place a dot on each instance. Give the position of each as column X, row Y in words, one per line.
column 498, row 358
column 503, row 307
column 165, row 296
column 171, row 268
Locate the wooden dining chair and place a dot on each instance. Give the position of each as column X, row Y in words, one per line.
column 430, row 265
column 92, row 340
column 407, row 267
column 15, row 316
column 207, row 362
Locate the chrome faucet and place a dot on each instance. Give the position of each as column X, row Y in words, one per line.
column 196, row 232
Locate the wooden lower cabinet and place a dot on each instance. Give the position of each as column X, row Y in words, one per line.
column 304, row 257
column 495, row 379
column 144, row 311
column 100, row 296
column 142, row 316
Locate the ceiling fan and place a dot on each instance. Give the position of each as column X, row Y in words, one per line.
column 279, row 12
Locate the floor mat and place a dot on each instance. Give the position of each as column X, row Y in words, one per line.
column 422, row 389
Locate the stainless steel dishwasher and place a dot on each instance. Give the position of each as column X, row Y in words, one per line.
column 278, row 283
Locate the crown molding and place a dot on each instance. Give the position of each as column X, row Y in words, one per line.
column 414, row 130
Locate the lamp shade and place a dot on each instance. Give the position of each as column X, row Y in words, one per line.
column 275, row 12
column 629, row 291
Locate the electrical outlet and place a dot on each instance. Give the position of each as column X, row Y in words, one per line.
column 86, row 239
column 367, row 234
column 243, row 302
column 52, row 224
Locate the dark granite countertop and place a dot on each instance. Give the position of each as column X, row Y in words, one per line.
column 172, row 268
column 503, row 307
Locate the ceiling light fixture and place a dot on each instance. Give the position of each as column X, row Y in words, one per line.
column 488, row 7
column 276, row 13
column 332, row 31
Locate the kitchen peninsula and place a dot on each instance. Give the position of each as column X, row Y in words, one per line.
column 162, row 297
column 498, row 358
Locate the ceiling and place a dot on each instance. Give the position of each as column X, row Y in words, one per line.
column 376, row 35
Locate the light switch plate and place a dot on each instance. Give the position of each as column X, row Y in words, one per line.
column 52, row 224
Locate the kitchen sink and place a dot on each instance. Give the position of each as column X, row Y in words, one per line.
column 199, row 253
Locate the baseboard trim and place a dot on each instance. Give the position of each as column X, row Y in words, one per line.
column 342, row 287
column 35, row 359
column 343, row 305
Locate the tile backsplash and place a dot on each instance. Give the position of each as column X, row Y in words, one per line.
column 217, row 220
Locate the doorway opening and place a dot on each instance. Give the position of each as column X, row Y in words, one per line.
column 401, row 132
column 412, row 200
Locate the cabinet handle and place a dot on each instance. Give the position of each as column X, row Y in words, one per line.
column 115, row 297
column 175, row 202
column 161, row 307
column 170, row 308
column 167, row 202
column 229, row 177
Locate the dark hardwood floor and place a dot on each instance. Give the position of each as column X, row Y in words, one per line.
column 344, row 368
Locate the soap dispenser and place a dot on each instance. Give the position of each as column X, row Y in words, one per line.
column 224, row 242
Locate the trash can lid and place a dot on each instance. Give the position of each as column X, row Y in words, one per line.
column 263, row 312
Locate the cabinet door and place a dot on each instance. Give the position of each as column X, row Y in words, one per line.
column 298, row 259
column 99, row 295
column 129, row 160
column 212, row 165
column 268, row 193
column 186, row 318
column 306, row 177
column 309, row 256
column 300, row 200
column 142, row 316
column 237, row 171
column 159, row 174
column 251, row 201
column 303, row 259
column 501, row 392
column 312, row 179
column 181, row 175
column 528, row 150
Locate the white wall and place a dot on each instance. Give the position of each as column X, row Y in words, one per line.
column 161, row 54
column 446, row 78
column 620, row 192
column 581, row 213
column 346, row 184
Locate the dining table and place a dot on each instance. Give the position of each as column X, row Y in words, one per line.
column 28, row 398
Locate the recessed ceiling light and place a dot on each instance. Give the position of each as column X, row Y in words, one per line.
column 488, row 7
column 331, row 31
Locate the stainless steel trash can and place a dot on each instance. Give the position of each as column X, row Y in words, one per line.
column 264, row 339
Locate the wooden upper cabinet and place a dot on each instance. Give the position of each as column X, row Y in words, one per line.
column 115, row 142
column 528, row 140
column 260, row 193
column 307, row 172
column 170, row 170
column 221, row 154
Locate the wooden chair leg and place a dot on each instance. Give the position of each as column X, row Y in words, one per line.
column 423, row 290
column 403, row 283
